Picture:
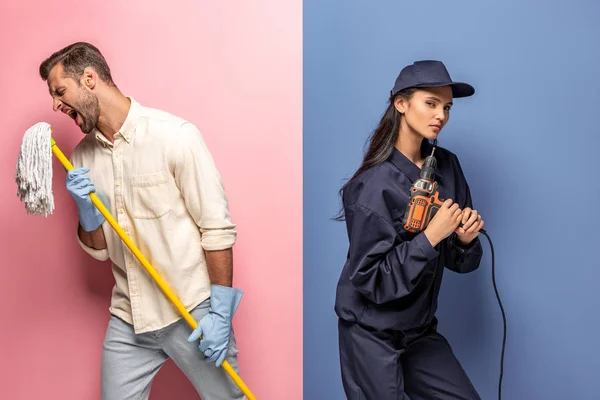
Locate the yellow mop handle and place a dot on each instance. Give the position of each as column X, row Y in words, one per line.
column 161, row 283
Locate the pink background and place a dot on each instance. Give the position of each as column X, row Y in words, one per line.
column 235, row 71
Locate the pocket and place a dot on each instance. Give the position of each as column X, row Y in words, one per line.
column 149, row 195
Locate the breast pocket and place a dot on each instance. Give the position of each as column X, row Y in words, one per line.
column 150, row 196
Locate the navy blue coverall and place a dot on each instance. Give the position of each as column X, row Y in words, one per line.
column 388, row 290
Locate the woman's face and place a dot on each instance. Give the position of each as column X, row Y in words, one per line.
column 427, row 111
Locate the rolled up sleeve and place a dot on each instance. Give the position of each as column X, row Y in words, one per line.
column 202, row 189
column 101, row 255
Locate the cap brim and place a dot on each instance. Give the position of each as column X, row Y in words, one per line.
column 459, row 89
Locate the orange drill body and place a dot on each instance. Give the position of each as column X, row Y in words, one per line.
column 424, row 199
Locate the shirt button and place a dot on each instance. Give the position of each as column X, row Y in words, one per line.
column 134, row 291
column 120, row 211
column 117, row 154
column 117, row 183
column 129, row 265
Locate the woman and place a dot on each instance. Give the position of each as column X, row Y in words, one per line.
column 387, row 292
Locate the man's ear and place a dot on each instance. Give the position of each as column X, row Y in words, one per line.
column 89, row 78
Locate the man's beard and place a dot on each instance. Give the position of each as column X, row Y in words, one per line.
column 89, row 111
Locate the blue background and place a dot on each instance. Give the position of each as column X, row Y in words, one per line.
column 527, row 142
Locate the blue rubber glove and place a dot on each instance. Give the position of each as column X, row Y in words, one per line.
column 80, row 186
column 215, row 326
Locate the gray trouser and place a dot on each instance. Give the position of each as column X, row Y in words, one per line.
column 130, row 362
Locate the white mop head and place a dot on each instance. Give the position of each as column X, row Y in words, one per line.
column 34, row 170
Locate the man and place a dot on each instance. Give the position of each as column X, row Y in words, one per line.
column 155, row 174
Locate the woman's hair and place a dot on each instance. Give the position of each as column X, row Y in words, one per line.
column 381, row 141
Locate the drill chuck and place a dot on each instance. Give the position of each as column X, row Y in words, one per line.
column 429, row 166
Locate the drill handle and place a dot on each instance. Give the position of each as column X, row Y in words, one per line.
column 422, row 207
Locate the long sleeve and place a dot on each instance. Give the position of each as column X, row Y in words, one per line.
column 463, row 259
column 382, row 266
column 200, row 183
column 460, row 258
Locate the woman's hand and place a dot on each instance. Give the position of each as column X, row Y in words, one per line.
column 472, row 224
column 445, row 221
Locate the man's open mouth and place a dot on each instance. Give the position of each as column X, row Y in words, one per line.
column 72, row 114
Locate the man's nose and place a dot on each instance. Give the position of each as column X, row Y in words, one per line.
column 56, row 104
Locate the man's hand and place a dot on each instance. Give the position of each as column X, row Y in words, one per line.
column 80, row 186
column 215, row 326
column 472, row 224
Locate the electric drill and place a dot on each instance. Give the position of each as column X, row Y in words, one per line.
column 424, row 199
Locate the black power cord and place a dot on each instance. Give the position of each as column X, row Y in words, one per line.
column 503, row 314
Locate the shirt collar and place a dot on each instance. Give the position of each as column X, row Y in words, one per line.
column 128, row 128
column 409, row 168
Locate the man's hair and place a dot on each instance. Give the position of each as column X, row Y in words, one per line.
column 75, row 58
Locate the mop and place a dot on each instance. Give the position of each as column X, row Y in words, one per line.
column 34, row 188
column 34, row 171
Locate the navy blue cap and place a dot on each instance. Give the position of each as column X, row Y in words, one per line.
column 430, row 73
